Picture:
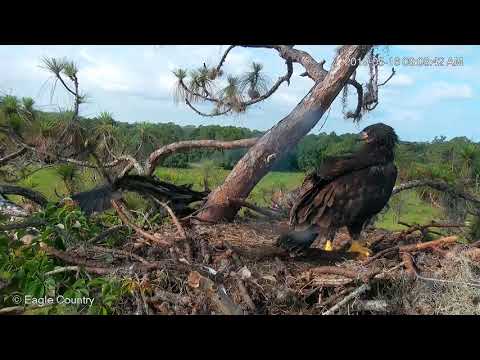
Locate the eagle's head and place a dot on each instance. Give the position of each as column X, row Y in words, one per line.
column 379, row 135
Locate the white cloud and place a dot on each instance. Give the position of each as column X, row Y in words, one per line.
column 440, row 91
column 400, row 80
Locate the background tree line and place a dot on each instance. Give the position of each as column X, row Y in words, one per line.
column 455, row 161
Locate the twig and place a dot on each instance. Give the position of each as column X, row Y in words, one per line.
column 408, row 263
column 62, row 270
column 360, row 290
column 246, row 297
column 180, row 229
column 22, row 225
column 216, row 293
column 162, row 295
column 334, row 297
column 138, row 230
column 122, row 253
column 413, row 228
column 106, row 233
column 32, row 195
column 12, row 156
column 266, row 212
column 99, row 268
column 425, row 245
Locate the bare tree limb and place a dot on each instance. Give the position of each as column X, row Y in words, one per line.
column 437, row 185
column 138, row 230
column 12, row 156
column 32, row 195
column 360, row 290
column 22, row 225
column 266, row 212
column 106, row 233
column 205, row 114
column 187, row 145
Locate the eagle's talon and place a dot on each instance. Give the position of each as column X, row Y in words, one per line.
column 328, row 246
column 359, row 249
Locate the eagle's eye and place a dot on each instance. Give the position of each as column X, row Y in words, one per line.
column 364, row 136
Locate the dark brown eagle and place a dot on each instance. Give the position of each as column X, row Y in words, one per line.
column 346, row 191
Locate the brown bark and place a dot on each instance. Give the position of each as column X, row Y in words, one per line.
column 282, row 137
column 32, row 195
column 12, row 156
column 187, row 145
column 437, row 185
column 138, row 230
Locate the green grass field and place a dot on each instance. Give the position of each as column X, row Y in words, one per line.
column 412, row 208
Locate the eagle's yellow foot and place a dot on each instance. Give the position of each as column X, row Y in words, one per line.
column 357, row 248
column 328, row 246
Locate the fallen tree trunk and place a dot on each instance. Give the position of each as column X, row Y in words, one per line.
column 12, row 156
column 32, row 195
column 282, row 137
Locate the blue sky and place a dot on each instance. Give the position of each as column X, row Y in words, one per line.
column 135, row 84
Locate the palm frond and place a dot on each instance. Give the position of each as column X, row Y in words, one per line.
column 70, row 69
column 231, row 96
column 10, row 105
column 255, row 81
column 54, row 65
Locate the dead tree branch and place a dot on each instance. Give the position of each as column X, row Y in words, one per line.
column 216, row 293
column 32, row 195
column 106, row 233
column 12, row 156
column 266, row 212
column 437, row 185
column 138, row 230
column 183, row 146
column 357, row 292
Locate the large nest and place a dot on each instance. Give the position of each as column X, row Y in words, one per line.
column 236, row 268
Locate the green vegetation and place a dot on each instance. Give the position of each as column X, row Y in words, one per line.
column 25, row 268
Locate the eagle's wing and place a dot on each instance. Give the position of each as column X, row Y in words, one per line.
column 99, row 199
column 355, row 196
column 317, row 191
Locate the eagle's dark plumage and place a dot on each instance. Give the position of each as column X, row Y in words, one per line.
column 346, row 191
column 99, row 199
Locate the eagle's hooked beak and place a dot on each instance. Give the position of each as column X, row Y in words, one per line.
column 363, row 136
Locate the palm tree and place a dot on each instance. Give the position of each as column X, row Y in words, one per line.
column 468, row 153
column 255, row 81
column 68, row 173
column 231, row 95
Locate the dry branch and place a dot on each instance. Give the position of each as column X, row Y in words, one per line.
column 62, row 270
column 360, row 290
column 180, row 229
column 217, row 294
column 138, row 230
column 429, row 244
column 122, row 253
column 437, row 185
column 32, row 195
column 182, row 146
column 408, row 263
column 106, row 233
column 162, row 295
column 246, row 297
column 12, row 156
column 266, row 212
